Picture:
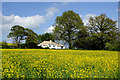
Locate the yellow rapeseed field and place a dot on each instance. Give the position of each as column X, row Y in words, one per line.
column 45, row 63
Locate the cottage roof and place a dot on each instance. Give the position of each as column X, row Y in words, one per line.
column 49, row 43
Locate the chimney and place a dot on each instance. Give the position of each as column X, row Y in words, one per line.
column 50, row 41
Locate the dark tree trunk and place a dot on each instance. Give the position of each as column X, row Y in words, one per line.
column 70, row 45
column 18, row 45
column 102, row 44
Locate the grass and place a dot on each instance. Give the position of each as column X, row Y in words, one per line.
column 45, row 63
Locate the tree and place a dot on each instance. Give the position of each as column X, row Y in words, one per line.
column 66, row 27
column 45, row 37
column 80, row 41
column 31, row 41
column 30, row 32
column 103, row 29
column 17, row 34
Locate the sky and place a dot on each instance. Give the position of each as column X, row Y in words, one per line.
column 60, row 0
column 40, row 16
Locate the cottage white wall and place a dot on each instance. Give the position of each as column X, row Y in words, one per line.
column 43, row 46
column 56, row 47
column 52, row 47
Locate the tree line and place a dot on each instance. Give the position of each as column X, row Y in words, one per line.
column 100, row 33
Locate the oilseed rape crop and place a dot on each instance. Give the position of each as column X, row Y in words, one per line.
column 45, row 63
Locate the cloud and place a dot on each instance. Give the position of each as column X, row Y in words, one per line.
column 49, row 30
column 32, row 22
column 87, row 17
column 80, row 16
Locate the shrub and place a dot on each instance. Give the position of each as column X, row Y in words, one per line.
column 46, row 48
column 109, row 46
column 31, row 45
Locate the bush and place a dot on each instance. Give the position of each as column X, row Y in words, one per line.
column 46, row 48
column 39, row 47
column 31, row 45
column 5, row 45
column 109, row 46
column 23, row 45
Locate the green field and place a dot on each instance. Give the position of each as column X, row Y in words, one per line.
column 45, row 63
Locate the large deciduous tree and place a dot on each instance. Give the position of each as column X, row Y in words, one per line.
column 17, row 34
column 66, row 27
column 103, row 29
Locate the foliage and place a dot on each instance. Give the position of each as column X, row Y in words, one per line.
column 4, row 44
column 37, row 63
column 31, row 41
column 31, row 45
column 81, row 40
column 67, row 26
column 46, row 48
column 17, row 34
column 30, row 32
column 23, row 45
column 104, row 29
column 109, row 46
column 45, row 37
column 117, row 45
column 100, row 33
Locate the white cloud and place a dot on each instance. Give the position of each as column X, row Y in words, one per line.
column 117, row 24
column 80, row 16
column 32, row 22
column 49, row 30
column 87, row 17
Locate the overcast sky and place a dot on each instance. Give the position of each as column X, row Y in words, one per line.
column 40, row 16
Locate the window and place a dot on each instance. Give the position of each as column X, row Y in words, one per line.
column 53, row 45
column 61, row 47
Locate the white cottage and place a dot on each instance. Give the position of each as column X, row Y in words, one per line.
column 51, row 45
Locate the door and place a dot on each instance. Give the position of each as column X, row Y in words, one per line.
column 61, row 47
